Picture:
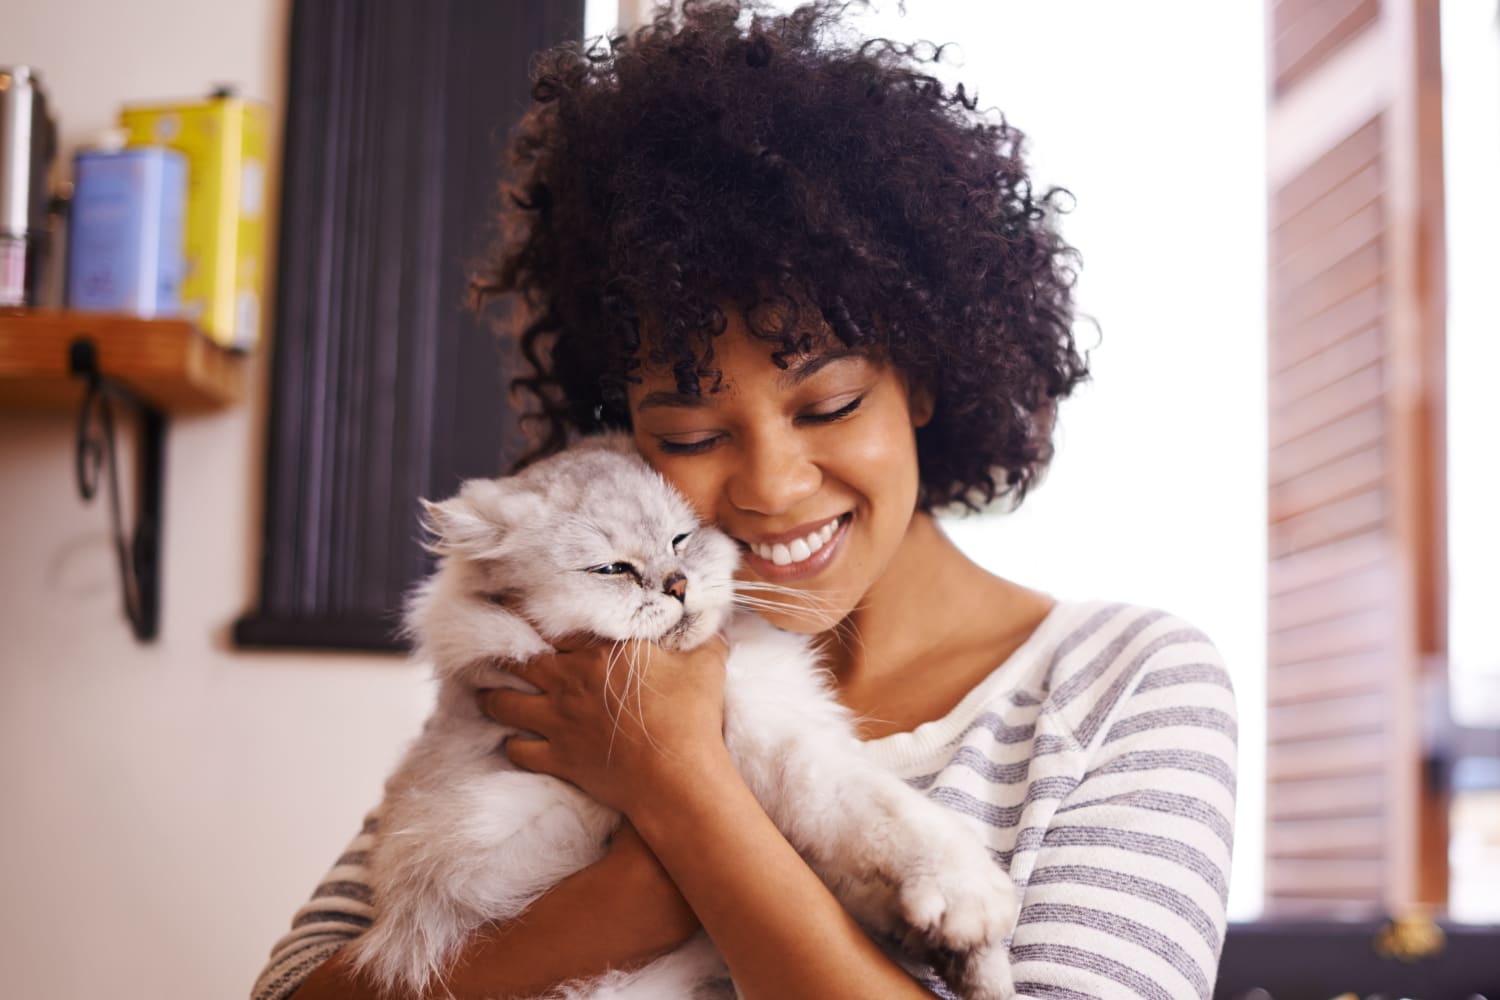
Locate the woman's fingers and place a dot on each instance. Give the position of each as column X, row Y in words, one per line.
column 531, row 754
column 560, row 668
column 509, row 707
column 534, row 671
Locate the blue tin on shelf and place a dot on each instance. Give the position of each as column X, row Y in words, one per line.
column 125, row 231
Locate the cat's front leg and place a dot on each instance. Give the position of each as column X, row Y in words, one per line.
column 899, row 862
column 905, row 865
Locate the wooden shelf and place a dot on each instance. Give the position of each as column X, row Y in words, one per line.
column 168, row 363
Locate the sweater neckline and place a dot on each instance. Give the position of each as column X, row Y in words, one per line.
column 897, row 750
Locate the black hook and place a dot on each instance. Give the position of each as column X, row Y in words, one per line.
column 139, row 557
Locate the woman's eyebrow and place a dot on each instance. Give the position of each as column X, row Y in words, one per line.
column 679, row 399
column 809, row 365
column 798, row 372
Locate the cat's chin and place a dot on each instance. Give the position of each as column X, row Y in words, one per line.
column 692, row 629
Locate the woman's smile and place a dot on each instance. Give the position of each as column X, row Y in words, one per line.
column 811, row 466
column 795, row 555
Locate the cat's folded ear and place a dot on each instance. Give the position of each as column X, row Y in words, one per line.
column 475, row 523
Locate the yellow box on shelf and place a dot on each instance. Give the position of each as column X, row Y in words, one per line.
column 224, row 138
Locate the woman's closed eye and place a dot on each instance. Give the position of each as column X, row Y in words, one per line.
column 826, row 413
column 690, row 446
column 837, row 410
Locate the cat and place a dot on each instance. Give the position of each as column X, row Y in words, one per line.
column 593, row 541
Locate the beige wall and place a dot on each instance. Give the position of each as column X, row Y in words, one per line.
column 165, row 807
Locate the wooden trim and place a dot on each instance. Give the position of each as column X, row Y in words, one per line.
column 1328, row 798
column 1301, row 339
column 1340, row 715
column 1338, row 479
column 1343, row 93
column 1303, row 303
column 1354, row 391
column 1306, row 569
column 1356, row 836
column 1329, row 600
column 1356, row 394
column 1352, row 673
column 1356, row 878
column 1307, row 38
column 1418, row 401
column 1364, row 186
column 1364, row 511
column 1360, row 349
column 1361, row 755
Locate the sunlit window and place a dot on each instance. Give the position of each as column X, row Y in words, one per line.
column 1471, row 126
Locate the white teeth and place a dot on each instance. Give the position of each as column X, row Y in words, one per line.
column 784, row 554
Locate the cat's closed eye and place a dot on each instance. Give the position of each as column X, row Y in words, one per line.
column 679, row 540
column 616, row 569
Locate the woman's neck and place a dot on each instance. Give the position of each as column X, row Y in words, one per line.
column 934, row 625
column 923, row 596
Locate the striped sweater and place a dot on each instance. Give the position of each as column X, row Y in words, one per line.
column 1098, row 765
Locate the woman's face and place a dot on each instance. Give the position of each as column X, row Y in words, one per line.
column 812, row 469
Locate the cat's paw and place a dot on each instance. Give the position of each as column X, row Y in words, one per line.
column 981, row 974
column 959, row 906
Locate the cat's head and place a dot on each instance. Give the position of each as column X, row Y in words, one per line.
column 590, row 541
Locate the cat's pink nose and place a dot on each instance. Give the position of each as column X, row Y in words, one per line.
column 676, row 585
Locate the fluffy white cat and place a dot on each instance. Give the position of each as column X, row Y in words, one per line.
column 594, row 541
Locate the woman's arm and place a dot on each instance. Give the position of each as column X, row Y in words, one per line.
column 1127, row 891
column 780, row 930
column 656, row 753
column 616, row 914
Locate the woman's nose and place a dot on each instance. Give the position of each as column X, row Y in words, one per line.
column 772, row 478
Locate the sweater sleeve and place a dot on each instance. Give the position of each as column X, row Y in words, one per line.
column 1128, row 891
column 338, row 911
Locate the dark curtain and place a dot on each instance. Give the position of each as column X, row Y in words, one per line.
column 385, row 388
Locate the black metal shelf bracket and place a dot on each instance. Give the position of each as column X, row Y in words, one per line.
column 139, row 554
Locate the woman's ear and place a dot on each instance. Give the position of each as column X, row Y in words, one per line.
column 920, row 402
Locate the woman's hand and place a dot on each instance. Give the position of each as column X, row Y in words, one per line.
column 624, row 722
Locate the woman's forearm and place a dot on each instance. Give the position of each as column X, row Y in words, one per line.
column 571, row 932
column 782, row 933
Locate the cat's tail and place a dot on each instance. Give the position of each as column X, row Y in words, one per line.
column 451, row 858
column 402, row 952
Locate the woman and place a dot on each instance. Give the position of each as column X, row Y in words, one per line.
column 819, row 290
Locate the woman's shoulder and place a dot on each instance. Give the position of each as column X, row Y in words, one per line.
column 1084, row 640
column 1100, row 659
column 1085, row 663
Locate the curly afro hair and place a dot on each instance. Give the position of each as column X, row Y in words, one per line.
column 725, row 155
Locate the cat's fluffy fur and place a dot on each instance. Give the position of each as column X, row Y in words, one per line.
column 466, row 837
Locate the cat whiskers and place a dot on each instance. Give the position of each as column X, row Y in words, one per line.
column 812, row 605
column 616, row 650
column 640, row 706
column 617, row 702
column 846, row 635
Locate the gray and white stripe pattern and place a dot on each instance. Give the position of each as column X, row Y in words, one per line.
column 1098, row 765
column 338, row 911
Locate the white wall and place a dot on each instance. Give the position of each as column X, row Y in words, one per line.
column 166, row 807
column 1153, row 115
